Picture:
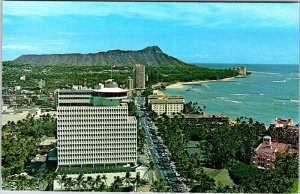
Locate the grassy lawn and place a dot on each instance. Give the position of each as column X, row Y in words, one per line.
column 96, row 169
column 220, row 176
column 295, row 187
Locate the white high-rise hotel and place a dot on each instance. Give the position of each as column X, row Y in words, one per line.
column 93, row 127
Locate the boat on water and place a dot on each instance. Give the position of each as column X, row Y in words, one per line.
column 189, row 89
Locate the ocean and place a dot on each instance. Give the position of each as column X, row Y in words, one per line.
column 270, row 91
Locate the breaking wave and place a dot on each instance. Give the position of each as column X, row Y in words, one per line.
column 282, row 81
column 239, row 94
column 234, row 101
column 295, row 101
column 268, row 73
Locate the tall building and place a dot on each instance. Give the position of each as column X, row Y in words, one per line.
column 130, row 86
column 93, row 127
column 140, row 77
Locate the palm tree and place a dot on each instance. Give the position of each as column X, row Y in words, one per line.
column 79, row 180
column 127, row 179
column 104, row 178
column 61, row 179
column 84, row 184
column 204, row 182
column 116, row 186
column 159, row 186
column 90, row 183
column 42, row 177
column 97, row 182
column 69, row 183
column 150, row 171
column 137, row 182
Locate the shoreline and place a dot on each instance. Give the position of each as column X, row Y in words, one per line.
column 179, row 85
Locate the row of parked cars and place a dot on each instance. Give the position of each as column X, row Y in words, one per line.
column 163, row 161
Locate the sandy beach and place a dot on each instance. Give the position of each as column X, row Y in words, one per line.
column 182, row 84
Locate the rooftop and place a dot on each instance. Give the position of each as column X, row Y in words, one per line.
column 199, row 116
column 111, row 90
column 131, row 119
column 276, row 147
column 46, row 141
column 165, row 96
column 167, row 101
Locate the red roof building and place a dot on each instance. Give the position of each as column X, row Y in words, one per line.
column 265, row 154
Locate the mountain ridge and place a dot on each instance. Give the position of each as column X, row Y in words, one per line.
column 151, row 55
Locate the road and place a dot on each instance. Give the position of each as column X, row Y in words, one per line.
column 157, row 150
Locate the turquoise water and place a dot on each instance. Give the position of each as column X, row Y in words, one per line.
column 271, row 91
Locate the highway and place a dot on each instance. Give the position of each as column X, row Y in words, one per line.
column 157, row 150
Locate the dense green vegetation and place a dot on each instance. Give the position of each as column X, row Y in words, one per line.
column 224, row 146
column 288, row 135
column 19, row 142
column 254, row 180
column 41, row 181
column 185, row 73
column 63, row 76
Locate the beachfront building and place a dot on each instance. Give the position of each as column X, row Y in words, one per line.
column 242, row 70
column 284, row 131
column 166, row 103
column 93, row 128
column 187, row 118
column 265, row 154
column 279, row 122
column 139, row 72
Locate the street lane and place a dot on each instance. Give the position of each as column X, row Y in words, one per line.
column 157, row 149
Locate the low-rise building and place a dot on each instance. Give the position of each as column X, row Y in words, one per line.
column 166, row 103
column 265, row 154
column 204, row 117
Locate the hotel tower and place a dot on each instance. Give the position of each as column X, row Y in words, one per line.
column 93, row 127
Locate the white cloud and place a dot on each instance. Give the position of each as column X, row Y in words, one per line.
column 205, row 14
column 18, row 47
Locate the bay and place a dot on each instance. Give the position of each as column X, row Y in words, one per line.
column 271, row 91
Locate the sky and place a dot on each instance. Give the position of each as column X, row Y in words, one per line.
column 246, row 33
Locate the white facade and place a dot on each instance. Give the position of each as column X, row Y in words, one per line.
column 23, row 78
column 17, row 88
column 91, row 134
column 168, row 108
column 41, row 84
column 165, row 103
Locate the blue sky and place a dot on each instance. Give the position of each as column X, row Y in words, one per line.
column 193, row 32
